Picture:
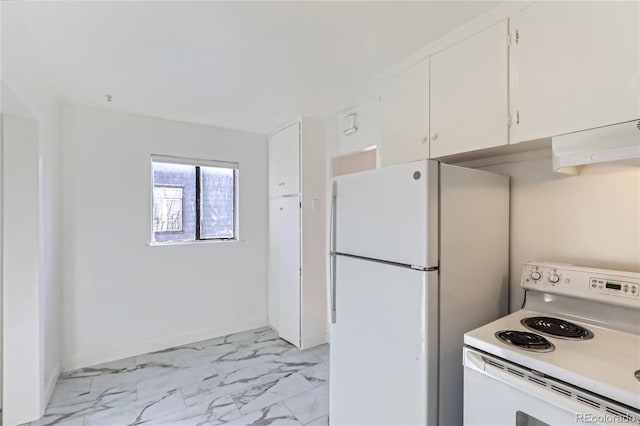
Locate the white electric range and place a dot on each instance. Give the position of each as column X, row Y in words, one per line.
column 570, row 356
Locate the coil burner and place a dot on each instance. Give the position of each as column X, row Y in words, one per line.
column 525, row 340
column 557, row 327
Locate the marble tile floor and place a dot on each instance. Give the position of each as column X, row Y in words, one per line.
column 248, row 378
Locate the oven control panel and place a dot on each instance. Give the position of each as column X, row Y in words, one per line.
column 609, row 286
column 613, row 287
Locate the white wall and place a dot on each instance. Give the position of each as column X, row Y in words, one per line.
column 123, row 297
column 37, row 349
column 592, row 219
column 314, row 318
column 21, row 271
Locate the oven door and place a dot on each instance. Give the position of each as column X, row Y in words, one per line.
column 498, row 393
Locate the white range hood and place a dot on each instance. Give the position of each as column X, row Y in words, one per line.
column 610, row 143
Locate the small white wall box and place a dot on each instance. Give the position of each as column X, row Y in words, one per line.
column 350, row 123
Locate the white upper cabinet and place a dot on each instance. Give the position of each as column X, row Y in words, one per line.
column 404, row 116
column 574, row 66
column 284, row 161
column 469, row 94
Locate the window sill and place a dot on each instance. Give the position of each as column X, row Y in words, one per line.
column 196, row 242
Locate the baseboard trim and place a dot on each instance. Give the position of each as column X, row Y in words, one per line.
column 48, row 390
column 315, row 340
column 87, row 360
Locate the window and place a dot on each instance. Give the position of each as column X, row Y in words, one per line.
column 193, row 200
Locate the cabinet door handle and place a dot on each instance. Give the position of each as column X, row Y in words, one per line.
column 424, row 140
column 434, row 137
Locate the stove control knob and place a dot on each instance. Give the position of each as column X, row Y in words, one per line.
column 554, row 278
column 535, row 275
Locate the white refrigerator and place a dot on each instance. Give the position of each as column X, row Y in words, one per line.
column 419, row 256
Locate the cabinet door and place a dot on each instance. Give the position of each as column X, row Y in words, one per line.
column 284, row 161
column 574, row 66
column 285, row 263
column 469, row 99
column 404, row 116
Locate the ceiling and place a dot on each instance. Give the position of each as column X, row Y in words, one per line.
column 243, row 65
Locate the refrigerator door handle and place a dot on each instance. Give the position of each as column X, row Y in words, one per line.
column 333, row 288
column 332, row 219
column 332, row 245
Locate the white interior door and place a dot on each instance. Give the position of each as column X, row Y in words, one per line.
column 287, row 211
column 284, row 161
column 383, row 345
column 22, row 348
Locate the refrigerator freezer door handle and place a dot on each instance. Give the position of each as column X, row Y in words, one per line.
column 332, row 218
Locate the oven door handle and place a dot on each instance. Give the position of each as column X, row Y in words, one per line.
column 474, row 360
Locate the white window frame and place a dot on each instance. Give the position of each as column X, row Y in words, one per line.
column 156, row 158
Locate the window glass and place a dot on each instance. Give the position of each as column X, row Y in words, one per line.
column 217, row 216
column 174, row 202
column 167, row 209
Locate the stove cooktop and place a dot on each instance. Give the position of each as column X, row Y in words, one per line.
column 603, row 360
